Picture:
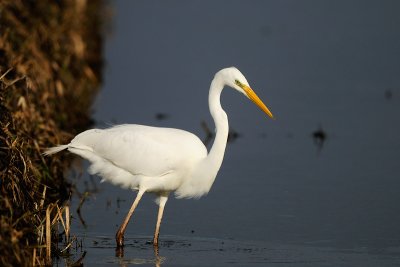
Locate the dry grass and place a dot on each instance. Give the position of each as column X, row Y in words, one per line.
column 50, row 66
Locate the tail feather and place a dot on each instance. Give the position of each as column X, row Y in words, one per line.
column 55, row 149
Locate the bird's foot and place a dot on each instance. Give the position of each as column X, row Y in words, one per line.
column 119, row 237
column 155, row 240
column 155, row 246
column 119, row 252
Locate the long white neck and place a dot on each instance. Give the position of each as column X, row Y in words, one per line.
column 206, row 171
column 216, row 154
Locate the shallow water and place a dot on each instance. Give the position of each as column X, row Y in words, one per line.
column 281, row 197
column 184, row 251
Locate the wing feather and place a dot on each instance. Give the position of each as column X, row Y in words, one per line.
column 143, row 150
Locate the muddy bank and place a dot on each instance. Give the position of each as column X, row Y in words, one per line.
column 50, row 72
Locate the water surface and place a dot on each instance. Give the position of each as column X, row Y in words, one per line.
column 280, row 198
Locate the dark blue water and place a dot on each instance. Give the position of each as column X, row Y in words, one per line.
column 281, row 197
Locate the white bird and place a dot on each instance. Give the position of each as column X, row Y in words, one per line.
column 161, row 160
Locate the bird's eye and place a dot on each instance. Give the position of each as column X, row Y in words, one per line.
column 238, row 83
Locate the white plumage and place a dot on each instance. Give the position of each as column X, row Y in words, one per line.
column 160, row 160
column 146, row 157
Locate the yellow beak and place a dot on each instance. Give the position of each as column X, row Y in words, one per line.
column 253, row 97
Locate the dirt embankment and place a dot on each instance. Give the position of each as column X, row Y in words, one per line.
column 50, row 72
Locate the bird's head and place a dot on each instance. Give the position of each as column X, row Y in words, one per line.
column 232, row 77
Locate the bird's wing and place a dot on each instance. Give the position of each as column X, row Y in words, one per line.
column 143, row 150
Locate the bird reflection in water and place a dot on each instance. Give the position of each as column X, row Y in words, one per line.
column 123, row 262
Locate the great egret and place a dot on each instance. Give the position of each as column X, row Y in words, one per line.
column 161, row 160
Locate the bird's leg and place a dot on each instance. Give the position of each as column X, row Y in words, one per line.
column 120, row 233
column 163, row 199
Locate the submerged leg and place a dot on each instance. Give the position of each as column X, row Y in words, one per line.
column 120, row 233
column 163, row 200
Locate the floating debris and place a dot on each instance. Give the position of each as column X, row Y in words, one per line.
column 209, row 134
column 232, row 135
column 319, row 136
column 161, row 116
column 119, row 200
column 83, row 198
column 388, row 94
